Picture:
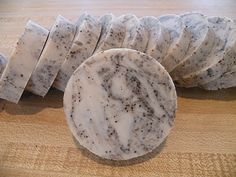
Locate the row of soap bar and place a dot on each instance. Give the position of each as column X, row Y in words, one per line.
column 195, row 49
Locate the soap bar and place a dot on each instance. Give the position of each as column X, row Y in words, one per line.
column 54, row 53
column 159, row 39
column 3, row 62
column 120, row 104
column 130, row 22
column 22, row 62
column 88, row 32
column 180, row 40
column 200, row 46
column 112, row 34
column 136, row 36
column 105, row 21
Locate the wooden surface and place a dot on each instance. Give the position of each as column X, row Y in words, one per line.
column 35, row 140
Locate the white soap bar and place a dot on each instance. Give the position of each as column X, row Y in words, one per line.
column 158, row 38
column 3, row 62
column 130, row 22
column 180, row 38
column 136, row 36
column 112, row 34
column 88, row 32
column 53, row 55
column 22, row 62
column 202, row 41
column 105, row 21
column 120, row 104
column 221, row 58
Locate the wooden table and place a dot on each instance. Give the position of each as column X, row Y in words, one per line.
column 35, row 140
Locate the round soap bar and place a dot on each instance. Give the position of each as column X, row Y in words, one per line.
column 120, row 104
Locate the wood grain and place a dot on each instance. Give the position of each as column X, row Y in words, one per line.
column 35, row 140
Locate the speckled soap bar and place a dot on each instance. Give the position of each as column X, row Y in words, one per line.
column 222, row 56
column 180, row 39
column 22, row 62
column 112, row 34
column 136, row 36
column 201, row 43
column 54, row 53
column 158, row 38
column 130, row 22
column 88, row 32
column 120, row 104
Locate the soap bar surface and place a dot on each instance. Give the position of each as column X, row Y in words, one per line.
column 120, row 104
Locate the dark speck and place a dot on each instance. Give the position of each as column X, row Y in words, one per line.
column 210, row 72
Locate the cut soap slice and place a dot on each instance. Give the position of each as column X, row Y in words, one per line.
column 112, row 35
column 158, row 38
column 88, row 32
column 120, row 104
column 52, row 57
column 130, row 22
column 22, row 62
column 136, row 36
column 180, row 40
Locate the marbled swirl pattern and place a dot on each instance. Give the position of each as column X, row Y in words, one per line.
column 120, row 104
